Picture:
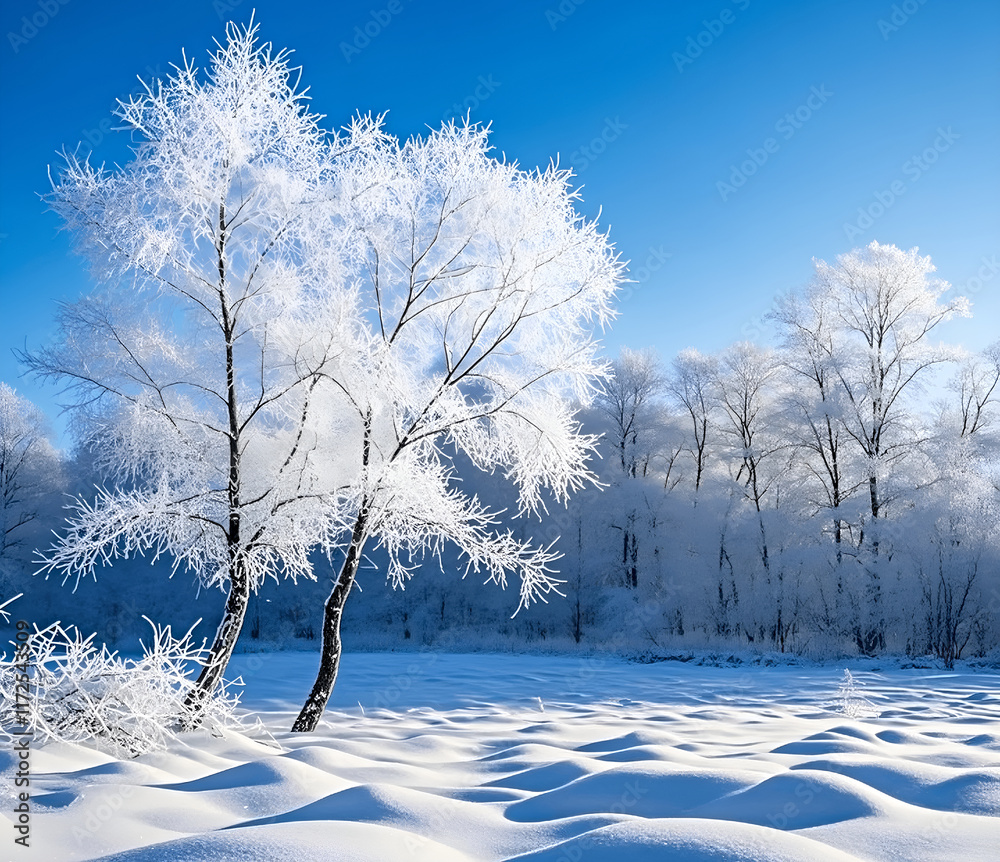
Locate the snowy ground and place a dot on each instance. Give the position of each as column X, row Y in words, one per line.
column 498, row 757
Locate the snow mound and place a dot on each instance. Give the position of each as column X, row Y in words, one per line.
column 546, row 777
column 687, row 841
column 797, row 800
column 323, row 842
column 649, row 790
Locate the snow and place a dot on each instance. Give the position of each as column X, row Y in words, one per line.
column 443, row 757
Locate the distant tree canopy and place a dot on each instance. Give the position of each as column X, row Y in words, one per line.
column 29, row 478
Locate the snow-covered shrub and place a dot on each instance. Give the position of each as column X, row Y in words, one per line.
column 851, row 702
column 81, row 692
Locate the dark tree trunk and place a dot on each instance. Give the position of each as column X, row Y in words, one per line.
column 239, row 583
column 222, row 649
column 873, row 495
column 577, row 615
column 333, row 611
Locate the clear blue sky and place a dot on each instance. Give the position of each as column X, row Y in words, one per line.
column 655, row 104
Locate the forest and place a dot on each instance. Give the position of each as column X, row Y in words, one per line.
column 835, row 494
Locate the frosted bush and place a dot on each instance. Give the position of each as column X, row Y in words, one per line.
column 851, row 702
column 83, row 693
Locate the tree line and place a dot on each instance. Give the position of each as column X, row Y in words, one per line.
column 840, row 488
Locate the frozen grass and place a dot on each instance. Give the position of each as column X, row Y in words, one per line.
column 82, row 692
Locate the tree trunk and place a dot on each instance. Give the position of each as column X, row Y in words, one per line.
column 873, row 495
column 577, row 615
column 222, row 648
column 239, row 583
column 329, row 662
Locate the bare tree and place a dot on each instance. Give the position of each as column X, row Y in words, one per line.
column 28, row 469
column 978, row 388
column 815, row 401
column 690, row 384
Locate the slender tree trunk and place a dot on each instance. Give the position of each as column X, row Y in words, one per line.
column 333, row 611
column 222, row 648
column 577, row 614
column 239, row 583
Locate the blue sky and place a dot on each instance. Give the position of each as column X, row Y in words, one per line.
column 727, row 143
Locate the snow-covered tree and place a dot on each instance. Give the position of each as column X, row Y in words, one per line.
column 815, row 406
column 885, row 303
column 638, row 440
column 196, row 363
column 746, row 388
column 29, row 469
column 476, row 287
column 690, row 385
column 977, row 385
column 628, row 401
column 881, row 305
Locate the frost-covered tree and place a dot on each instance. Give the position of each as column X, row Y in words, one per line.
column 690, row 384
column 954, row 551
column 746, row 388
column 195, row 365
column 474, row 289
column 29, row 469
column 977, row 385
column 865, row 327
column 637, row 431
column 815, row 405
column 748, row 391
column 628, row 400
column 884, row 303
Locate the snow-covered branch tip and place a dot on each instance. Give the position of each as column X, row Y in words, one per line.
column 3, row 612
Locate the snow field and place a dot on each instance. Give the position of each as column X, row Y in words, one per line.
column 549, row 759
